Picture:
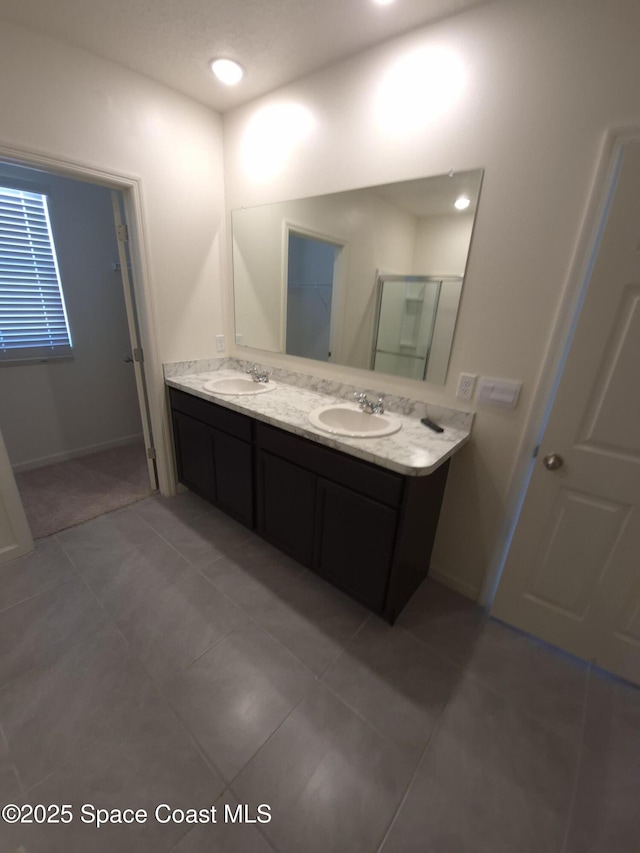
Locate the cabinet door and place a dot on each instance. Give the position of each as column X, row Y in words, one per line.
column 286, row 506
column 234, row 476
column 194, row 454
column 354, row 543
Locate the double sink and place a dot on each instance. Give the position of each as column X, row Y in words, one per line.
column 336, row 418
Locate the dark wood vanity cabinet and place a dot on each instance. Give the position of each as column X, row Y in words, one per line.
column 286, row 511
column 214, row 454
column 354, row 543
column 194, row 454
column 367, row 530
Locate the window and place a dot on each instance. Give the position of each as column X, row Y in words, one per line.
column 33, row 318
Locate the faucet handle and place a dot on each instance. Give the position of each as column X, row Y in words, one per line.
column 258, row 375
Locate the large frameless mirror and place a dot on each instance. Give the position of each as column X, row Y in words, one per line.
column 368, row 278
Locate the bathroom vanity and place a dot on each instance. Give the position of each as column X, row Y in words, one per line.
column 363, row 520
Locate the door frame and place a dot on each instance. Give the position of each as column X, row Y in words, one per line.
column 583, row 257
column 132, row 193
column 337, row 291
column 133, row 324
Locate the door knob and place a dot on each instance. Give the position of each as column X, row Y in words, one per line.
column 553, row 461
column 128, row 359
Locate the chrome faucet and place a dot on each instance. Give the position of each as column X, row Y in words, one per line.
column 258, row 375
column 368, row 405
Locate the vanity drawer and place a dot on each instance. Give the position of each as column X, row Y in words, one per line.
column 212, row 414
column 369, row 480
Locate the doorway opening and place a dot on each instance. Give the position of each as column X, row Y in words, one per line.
column 310, row 298
column 77, row 427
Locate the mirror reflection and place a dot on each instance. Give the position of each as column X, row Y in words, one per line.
column 368, row 278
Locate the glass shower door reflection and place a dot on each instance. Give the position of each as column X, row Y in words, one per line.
column 407, row 310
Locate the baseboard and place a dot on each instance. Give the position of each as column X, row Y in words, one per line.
column 75, row 454
column 464, row 588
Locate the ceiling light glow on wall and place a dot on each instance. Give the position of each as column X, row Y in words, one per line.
column 383, row 2
column 272, row 136
column 227, row 71
column 462, row 203
column 419, row 89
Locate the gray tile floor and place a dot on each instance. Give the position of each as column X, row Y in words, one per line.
column 163, row 654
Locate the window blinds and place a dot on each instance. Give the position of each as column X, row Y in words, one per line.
column 33, row 318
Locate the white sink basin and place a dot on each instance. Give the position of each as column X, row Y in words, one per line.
column 236, row 385
column 350, row 421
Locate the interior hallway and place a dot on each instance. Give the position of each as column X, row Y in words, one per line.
column 164, row 654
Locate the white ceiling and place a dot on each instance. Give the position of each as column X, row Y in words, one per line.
column 277, row 41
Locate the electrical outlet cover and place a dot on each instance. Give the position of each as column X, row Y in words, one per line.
column 466, row 386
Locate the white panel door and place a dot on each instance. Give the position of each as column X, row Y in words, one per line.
column 122, row 232
column 572, row 576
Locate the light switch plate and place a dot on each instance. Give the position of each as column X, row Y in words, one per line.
column 220, row 343
column 503, row 393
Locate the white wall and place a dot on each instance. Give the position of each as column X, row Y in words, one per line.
column 70, row 104
column 67, row 105
column 538, row 85
column 58, row 409
column 442, row 248
column 442, row 244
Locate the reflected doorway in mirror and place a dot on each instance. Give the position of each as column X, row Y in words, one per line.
column 312, row 269
column 410, row 228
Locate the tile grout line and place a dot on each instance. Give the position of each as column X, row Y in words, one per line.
column 373, row 725
column 463, row 667
column 46, row 588
column 48, row 663
column 113, row 625
column 221, row 555
column 206, row 759
column 262, row 627
column 405, row 796
column 576, row 780
column 316, row 677
column 259, row 750
column 383, row 735
column 520, row 709
column 189, row 518
column 253, row 621
column 348, row 643
column 435, row 648
column 157, row 686
column 211, row 764
column 118, row 555
column 12, row 761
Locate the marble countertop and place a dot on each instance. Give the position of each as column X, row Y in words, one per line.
column 415, row 450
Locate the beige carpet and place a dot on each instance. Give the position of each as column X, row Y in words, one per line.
column 59, row 496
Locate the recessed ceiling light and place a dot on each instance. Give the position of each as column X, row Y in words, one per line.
column 227, row 71
column 462, row 203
